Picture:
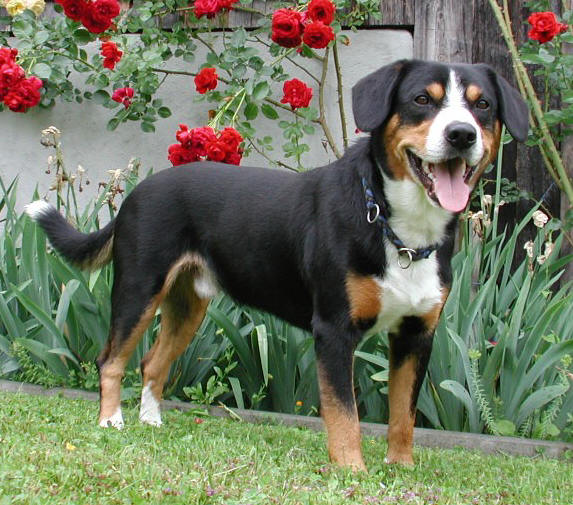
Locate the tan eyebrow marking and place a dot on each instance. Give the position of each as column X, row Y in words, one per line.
column 473, row 92
column 436, row 91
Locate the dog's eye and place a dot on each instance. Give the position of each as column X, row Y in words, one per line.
column 482, row 104
column 422, row 100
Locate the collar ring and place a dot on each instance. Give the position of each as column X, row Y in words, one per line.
column 371, row 217
column 405, row 257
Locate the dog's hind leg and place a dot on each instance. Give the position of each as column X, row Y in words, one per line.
column 337, row 402
column 182, row 311
column 132, row 312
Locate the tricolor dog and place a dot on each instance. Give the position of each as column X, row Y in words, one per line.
column 360, row 244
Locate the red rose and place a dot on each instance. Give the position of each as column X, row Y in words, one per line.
column 233, row 158
column 216, row 151
column 317, row 35
column 206, row 8
column 8, row 55
column 183, row 135
column 25, row 94
column 10, row 74
column 74, row 9
column 227, row 4
column 179, row 155
column 231, row 138
column 321, row 10
column 287, row 27
column 200, row 138
column 123, row 95
column 111, row 54
column 205, row 80
column 296, row 93
column 97, row 16
column 544, row 26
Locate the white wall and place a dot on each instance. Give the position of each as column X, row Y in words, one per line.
column 87, row 142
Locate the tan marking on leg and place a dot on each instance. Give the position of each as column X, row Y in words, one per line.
column 342, row 427
column 181, row 315
column 113, row 369
column 364, row 295
column 432, row 317
column 436, row 91
column 473, row 93
column 402, row 418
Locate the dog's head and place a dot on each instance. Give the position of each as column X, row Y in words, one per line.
column 441, row 124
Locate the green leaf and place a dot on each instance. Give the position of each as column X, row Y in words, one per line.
column 101, row 96
column 64, row 303
column 41, row 36
column 237, row 392
column 251, row 111
column 239, row 38
column 82, row 36
column 22, row 29
column 504, row 427
column 112, row 124
column 164, row 112
column 261, row 90
column 269, row 111
column 148, row 127
column 42, row 71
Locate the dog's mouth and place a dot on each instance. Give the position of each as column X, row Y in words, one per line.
column 446, row 182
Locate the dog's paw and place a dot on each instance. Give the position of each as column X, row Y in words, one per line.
column 399, row 459
column 114, row 421
column 150, row 412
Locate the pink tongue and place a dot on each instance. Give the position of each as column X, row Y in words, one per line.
column 452, row 192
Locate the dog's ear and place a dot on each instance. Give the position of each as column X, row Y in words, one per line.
column 513, row 110
column 372, row 96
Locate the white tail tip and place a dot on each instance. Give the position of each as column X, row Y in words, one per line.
column 38, row 209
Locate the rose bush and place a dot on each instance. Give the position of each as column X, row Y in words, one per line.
column 237, row 81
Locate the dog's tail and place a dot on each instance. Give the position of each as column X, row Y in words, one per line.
column 87, row 251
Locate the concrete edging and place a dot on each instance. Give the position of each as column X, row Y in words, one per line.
column 424, row 437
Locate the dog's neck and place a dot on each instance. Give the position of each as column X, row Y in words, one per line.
column 417, row 221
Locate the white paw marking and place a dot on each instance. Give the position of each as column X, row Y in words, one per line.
column 150, row 412
column 37, row 209
column 115, row 421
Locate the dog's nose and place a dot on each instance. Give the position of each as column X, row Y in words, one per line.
column 461, row 135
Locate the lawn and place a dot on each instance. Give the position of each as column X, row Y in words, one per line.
column 51, row 451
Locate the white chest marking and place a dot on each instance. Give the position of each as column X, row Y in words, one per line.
column 413, row 291
column 418, row 222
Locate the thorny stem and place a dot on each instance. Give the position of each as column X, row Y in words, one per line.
column 340, row 95
column 268, row 158
column 298, row 65
column 552, row 154
column 226, row 81
column 322, row 116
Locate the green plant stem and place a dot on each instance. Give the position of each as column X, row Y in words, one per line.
column 322, row 115
column 559, row 172
column 340, row 95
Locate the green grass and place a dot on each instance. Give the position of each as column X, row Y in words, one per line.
column 51, row 451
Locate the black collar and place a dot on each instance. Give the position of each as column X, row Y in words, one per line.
column 380, row 214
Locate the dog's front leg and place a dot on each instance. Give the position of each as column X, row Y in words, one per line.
column 410, row 350
column 337, row 403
